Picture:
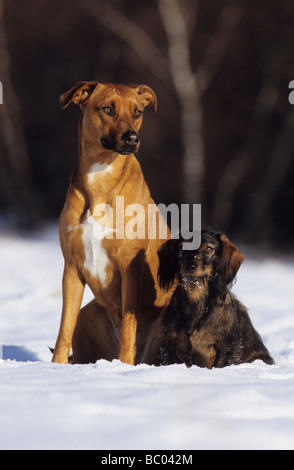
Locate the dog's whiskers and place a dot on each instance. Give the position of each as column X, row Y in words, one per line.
column 190, row 283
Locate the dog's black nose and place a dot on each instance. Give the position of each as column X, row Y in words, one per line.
column 131, row 139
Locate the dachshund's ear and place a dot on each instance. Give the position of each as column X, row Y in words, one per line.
column 232, row 259
column 168, row 263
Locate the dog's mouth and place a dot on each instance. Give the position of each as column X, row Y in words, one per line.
column 105, row 144
column 124, row 149
column 192, row 281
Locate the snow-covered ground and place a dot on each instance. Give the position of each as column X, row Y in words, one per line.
column 117, row 406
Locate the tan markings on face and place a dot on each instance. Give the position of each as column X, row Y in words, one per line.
column 196, row 289
column 116, row 111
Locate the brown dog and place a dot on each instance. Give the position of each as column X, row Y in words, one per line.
column 120, row 270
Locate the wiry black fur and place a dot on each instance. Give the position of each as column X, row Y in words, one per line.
column 205, row 324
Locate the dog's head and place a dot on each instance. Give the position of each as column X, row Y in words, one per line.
column 217, row 260
column 112, row 114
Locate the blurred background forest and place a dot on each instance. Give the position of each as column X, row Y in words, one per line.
column 223, row 135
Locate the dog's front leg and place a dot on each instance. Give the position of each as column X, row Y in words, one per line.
column 130, row 306
column 72, row 290
column 127, row 347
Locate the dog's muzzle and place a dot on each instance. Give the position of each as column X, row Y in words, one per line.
column 127, row 144
column 131, row 142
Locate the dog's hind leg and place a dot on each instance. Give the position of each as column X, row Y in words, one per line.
column 95, row 336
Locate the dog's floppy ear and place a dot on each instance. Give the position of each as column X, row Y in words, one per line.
column 168, row 263
column 79, row 94
column 147, row 96
column 232, row 259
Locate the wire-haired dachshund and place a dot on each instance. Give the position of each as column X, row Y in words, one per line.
column 204, row 324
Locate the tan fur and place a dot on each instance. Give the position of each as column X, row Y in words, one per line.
column 203, row 344
column 124, row 279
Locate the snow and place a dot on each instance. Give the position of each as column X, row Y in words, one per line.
column 118, row 406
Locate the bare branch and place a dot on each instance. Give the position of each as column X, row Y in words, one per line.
column 188, row 94
column 275, row 173
column 237, row 169
column 16, row 159
column 218, row 43
column 131, row 34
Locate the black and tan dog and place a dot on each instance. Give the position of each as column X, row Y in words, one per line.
column 204, row 324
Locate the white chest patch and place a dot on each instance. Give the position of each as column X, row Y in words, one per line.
column 96, row 259
column 98, row 169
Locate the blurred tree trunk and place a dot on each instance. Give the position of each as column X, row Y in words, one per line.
column 191, row 85
column 276, row 171
column 188, row 92
column 249, row 153
column 131, row 34
column 14, row 158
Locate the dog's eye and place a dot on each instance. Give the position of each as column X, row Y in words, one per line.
column 108, row 110
column 138, row 113
column 209, row 249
